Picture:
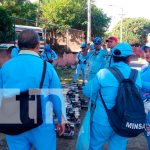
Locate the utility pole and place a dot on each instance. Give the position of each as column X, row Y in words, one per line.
column 121, row 24
column 38, row 14
column 89, row 21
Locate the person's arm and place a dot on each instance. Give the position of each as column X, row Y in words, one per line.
column 54, row 55
column 92, row 87
column 43, row 56
column 77, row 57
column 56, row 96
column 145, row 86
column 104, row 55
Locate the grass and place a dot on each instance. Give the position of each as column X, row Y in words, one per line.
column 66, row 75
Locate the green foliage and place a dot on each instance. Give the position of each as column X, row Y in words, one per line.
column 134, row 29
column 6, row 26
column 65, row 75
column 100, row 21
column 20, row 9
column 73, row 13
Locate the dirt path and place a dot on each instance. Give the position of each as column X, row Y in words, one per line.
column 138, row 143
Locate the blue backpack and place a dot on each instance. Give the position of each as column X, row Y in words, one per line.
column 127, row 117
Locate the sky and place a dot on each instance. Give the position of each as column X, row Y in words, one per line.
column 131, row 8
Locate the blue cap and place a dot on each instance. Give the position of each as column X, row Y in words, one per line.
column 83, row 45
column 47, row 47
column 97, row 40
column 122, row 50
column 145, row 46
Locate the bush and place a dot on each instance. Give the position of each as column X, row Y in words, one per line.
column 6, row 26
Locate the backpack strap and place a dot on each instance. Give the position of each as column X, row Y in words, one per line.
column 133, row 75
column 103, row 102
column 43, row 74
column 117, row 73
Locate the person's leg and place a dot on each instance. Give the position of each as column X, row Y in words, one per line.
column 148, row 141
column 99, row 136
column 147, row 132
column 44, row 138
column 117, row 141
column 77, row 72
column 147, row 136
column 18, row 142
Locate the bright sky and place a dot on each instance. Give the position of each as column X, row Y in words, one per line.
column 131, row 8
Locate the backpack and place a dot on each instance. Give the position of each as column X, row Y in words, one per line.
column 127, row 117
column 15, row 116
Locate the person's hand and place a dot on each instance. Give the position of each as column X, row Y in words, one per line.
column 50, row 61
column 60, row 129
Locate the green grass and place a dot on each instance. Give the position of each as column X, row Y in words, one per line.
column 66, row 75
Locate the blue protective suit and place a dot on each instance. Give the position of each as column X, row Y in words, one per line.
column 14, row 52
column 145, row 91
column 96, row 62
column 47, row 55
column 101, row 131
column 109, row 59
column 24, row 72
column 81, row 66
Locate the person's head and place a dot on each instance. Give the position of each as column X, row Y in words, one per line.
column 83, row 47
column 47, row 48
column 122, row 52
column 97, row 43
column 29, row 40
column 146, row 49
column 112, row 42
column 4, row 56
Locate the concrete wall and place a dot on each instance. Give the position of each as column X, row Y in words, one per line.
column 67, row 59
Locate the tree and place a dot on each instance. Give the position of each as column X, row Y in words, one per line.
column 20, row 9
column 134, row 29
column 73, row 13
column 6, row 26
column 100, row 21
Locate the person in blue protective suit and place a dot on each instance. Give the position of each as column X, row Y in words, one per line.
column 145, row 76
column 81, row 58
column 96, row 59
column 14, row 51
column 101, row 131
column 48, row 54
column 111, row 43
column 24, row 72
